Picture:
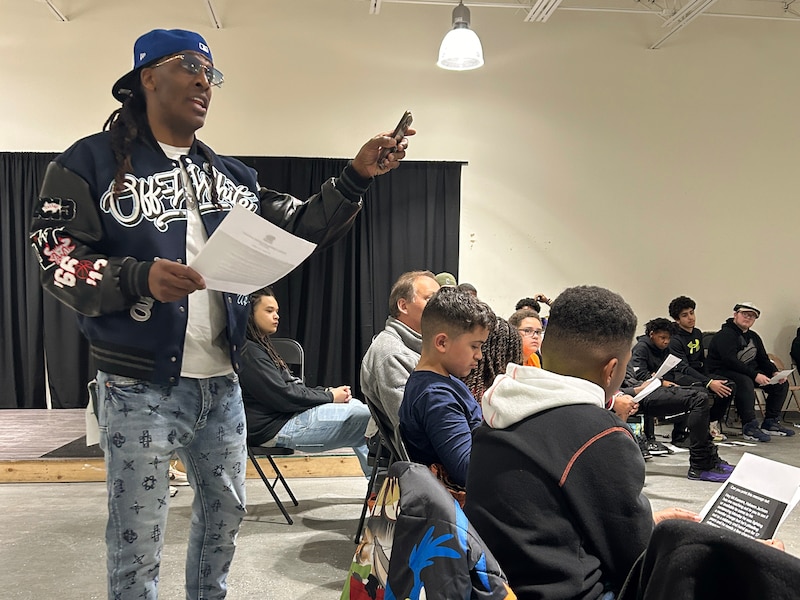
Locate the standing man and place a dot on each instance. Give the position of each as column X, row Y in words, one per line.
column 394, row 352
column 136, row 204
column 737, row 353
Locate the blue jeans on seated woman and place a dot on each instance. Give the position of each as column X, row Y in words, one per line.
column 327, row 427
column 141, row 425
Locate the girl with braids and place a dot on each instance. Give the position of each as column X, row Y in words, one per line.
column 120, row 217
column 503, row 346
column 281, row 410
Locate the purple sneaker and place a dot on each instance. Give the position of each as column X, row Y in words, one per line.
column 715, row 475
column 724, row 465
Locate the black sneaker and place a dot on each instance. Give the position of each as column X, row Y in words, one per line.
column 643, row 447
column 715, row 474
column 656, row 448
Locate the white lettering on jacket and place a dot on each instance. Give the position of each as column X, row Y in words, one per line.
column 161, row 198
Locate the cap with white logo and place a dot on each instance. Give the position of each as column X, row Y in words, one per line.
column 154, row 45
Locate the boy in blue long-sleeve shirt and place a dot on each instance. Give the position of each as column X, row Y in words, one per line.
column 438, row 412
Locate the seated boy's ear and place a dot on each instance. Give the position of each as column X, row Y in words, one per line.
column 440, row 341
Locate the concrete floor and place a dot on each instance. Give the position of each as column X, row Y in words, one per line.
column 52, row 533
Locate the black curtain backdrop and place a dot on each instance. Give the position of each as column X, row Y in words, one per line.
column 333, row 304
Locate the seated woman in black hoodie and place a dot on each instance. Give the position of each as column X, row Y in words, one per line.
column 281, row 410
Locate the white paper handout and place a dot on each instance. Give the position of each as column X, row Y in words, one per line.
column 780, row 375
column 651, row 387
column 247, row 252
column 756, row 499
column 668, row 364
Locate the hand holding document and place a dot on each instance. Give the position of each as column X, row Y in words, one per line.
column 247, row 252
column 651, row 387
column 756, row 499
column 780, row 375
column 668, row 364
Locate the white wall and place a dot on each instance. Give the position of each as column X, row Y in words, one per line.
column 591, row 159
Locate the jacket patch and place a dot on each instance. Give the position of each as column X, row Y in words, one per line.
column 54, row 209
column 54, row 249
column 161, row 198
column 51, row 246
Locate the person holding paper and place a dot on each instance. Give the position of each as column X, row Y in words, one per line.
column 737, row 352
column 555, row 480
column 120, row 216
column 671, row 399
column 281, row 409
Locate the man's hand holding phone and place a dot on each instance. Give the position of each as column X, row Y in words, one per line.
column 384, row 152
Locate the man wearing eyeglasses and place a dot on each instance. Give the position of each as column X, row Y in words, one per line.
column 737, row 353
column 121, row 216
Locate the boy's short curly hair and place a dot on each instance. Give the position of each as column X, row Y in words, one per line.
column 589, row 321
column 659, row 324
column 529, row 302
column 679, row 304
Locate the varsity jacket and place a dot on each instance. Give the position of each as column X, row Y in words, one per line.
column 728, row 352
column 95, row 248
column 555, row 486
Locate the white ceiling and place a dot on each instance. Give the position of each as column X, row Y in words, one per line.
column 675, row 15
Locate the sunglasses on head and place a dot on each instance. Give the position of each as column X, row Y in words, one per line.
column 194, row 65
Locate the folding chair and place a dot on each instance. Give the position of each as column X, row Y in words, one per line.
column 269, row 451
column 292, row 353
column 389, row 442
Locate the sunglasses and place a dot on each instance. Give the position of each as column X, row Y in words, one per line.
column 195, row 66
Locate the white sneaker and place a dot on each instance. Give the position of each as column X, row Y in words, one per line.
column 173, row 491
column 177, row 477
column 716, row 432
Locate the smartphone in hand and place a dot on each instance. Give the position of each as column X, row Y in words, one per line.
column 398, row 134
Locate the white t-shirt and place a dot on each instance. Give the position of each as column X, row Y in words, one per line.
column 205, row 348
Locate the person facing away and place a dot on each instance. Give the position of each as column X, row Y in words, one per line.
column 737, row 353
column 529, row 324
column 687, row 344
column 281, row 410
column 394, row 352
column 438, row 412
column 555, row 480
column 503, row 346
column 137, row 203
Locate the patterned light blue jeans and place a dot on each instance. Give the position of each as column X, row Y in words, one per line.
column 141, row 425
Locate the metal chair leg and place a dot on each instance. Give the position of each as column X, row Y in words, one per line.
column 270, row 487
column 372, row 478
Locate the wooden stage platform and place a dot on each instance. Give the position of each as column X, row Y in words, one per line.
column 27, row 436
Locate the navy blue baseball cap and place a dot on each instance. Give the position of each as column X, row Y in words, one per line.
column 154, row 45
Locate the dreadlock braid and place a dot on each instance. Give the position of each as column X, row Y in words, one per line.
column 503, row 346
column 126, row 124
column 255, row 334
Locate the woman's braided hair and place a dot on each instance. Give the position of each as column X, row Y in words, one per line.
column 503, row 346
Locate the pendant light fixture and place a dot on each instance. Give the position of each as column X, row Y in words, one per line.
column 461, row 49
